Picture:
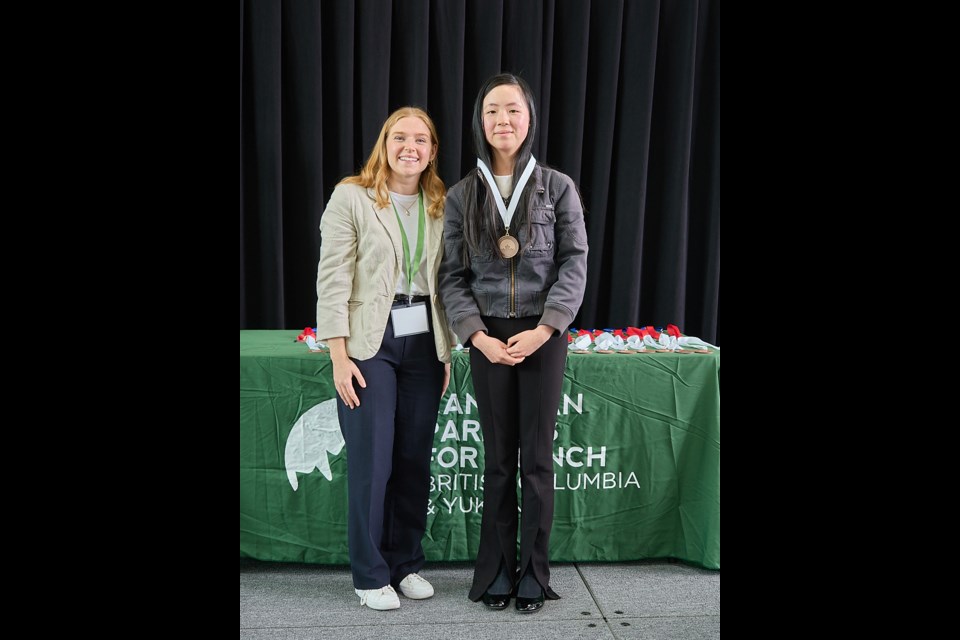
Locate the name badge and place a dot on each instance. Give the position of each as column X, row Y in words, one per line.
column 409, row 321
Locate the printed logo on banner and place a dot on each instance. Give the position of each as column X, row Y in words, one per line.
column 315, row 434
column 456, row 483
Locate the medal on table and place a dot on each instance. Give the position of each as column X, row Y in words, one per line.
column 507, row 245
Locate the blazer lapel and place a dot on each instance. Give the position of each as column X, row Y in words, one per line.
column 388, row 219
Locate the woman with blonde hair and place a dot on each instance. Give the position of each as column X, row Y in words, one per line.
column 378, row 310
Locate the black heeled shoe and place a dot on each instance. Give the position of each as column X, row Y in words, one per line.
column 500, row 583
column 528, row 585
column 529, row 605
column 497, row 601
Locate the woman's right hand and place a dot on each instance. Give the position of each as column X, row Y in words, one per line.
column 344, row 371
column 343, row 374
column 493, row 349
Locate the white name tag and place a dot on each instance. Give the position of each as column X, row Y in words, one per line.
column 409, row 321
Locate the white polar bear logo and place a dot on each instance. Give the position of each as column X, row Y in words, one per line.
column 314, row 434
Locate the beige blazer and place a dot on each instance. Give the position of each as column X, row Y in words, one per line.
column 361, row 260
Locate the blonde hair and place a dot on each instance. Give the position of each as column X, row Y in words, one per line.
column 375, row 172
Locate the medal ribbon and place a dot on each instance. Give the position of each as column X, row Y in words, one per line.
column 506, row 214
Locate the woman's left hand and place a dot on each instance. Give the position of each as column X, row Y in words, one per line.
column 526, row 343
column 446, row 378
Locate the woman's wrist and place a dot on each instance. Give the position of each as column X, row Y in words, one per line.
column 546, row 330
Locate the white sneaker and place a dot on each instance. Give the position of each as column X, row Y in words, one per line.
column 415, row 587
column 382, row 599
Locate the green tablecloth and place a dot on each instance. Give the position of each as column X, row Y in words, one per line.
column 637, row 459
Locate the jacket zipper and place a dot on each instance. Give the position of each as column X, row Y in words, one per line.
column 513, row 290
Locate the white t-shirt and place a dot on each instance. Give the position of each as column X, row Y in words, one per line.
column 505, row 185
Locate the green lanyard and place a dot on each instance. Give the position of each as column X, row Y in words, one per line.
column 412, row 266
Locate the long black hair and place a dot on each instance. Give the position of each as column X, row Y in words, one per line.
column 480, row 215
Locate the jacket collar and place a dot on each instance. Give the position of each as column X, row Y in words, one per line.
column 538, row 178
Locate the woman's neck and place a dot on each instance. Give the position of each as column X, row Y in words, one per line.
column 502, row 164
column 404, row 185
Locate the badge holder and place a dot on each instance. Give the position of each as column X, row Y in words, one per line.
column 409, row 320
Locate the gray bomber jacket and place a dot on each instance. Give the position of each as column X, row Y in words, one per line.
column 548, row 275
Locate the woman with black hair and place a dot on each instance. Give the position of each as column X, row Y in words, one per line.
column 512, row 280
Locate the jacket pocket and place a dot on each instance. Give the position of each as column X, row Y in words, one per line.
column 482, row 258
column 355, row 318
column 482, row 298
column 537, row 300
column 542, row 221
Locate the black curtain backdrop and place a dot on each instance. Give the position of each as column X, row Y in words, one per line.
column 628, row 94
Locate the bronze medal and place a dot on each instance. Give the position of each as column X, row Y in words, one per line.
column 508, row 246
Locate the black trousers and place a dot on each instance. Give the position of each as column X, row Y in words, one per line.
column 518, row 415
column 389, row 440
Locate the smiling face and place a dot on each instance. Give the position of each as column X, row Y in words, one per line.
column 506, row 121
column 410, row 148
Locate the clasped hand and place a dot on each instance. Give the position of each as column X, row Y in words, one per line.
column 517, row 347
